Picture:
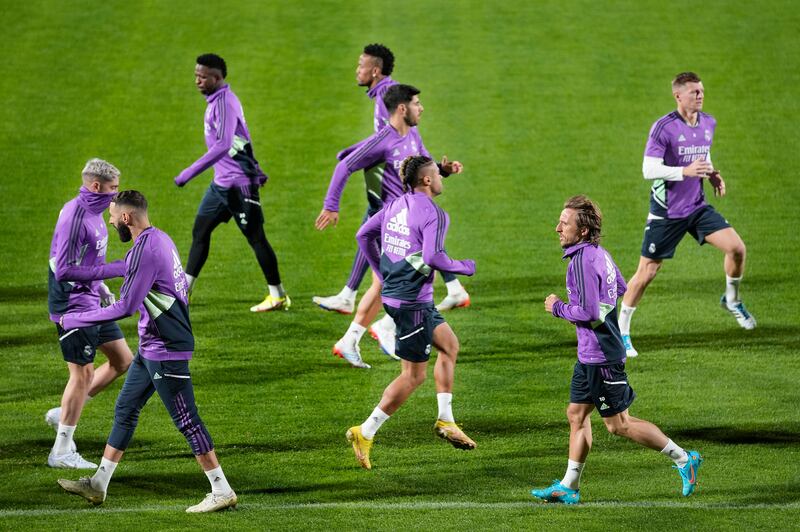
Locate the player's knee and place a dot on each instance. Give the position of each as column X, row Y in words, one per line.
column 650, row 270
column 575, row 416
column 617, row 427
column 82, row 375
column 739, row 251
column 201, row 230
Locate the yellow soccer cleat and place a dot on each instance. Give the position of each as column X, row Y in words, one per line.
column 84, row 488
column 451, row 432
column 272, row 303
column 361, row 446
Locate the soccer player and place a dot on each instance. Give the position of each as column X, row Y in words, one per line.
column 77, row 269
column 234, row 192
column 404, row 244
column 155, row 285
column 387, row 148
column 599, row 380
column 375, row 66
column 677, row 159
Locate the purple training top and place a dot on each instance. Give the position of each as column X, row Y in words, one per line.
column 155, row 285
column 594, row 283
column 411, row 229
column 386, row 150
column 229, row 148
column 78, row 255
column 679, row 144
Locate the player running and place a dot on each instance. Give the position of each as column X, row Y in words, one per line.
column 677, row 159
column 77, row 269
column 404, row 244
column 155, row 285
column 387, row 148
column 599, row 380
column 234, row 193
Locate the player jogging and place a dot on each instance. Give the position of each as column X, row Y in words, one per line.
column 77, row 268
column 677, row 159
column 234, row 193
column 155, row 285
column 404, row 244
column 599, row 380
column 387, row 148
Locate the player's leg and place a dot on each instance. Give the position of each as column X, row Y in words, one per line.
column 119, row 355
column 212, row 211
column 457, row 295
column 347, row 347
column 731, row 244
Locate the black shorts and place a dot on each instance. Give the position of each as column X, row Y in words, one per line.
column 605, row 386
column 661, row 237
column 80, row 345
column 414, row 333
column 242, row 203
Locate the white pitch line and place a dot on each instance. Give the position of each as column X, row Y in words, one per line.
column 430, row 505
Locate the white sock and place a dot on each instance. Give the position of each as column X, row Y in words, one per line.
column 454, row 287
column 371, row 425
column 445, row 401
column 732, row 289
column 102, row 476
column 347, row 293
column 190, row 282
column 63, row 439
column 625, row 314
column 572, row 478
column 675, row 453
column 219, row 484
column 276, row 290
column 387, row 323
column 357, row 329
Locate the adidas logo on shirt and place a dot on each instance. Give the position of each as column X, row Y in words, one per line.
column 681, row 138
column 396, row 152
column 399, row 223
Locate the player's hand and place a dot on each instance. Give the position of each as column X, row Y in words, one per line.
column 699, row 168
column 549, row 302
column 61, row 321
column 326, row 218
column 451, row 167
column 717, row 182
column 179, row 182
column 107, row 297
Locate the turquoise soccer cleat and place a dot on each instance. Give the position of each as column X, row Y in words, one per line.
column 557, row 492
column 689, row 472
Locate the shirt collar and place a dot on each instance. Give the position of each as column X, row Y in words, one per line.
column 216, row 94
column 373, row 92
column 568, row 252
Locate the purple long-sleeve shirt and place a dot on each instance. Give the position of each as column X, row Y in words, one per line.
column 155, row 285
column 230, row 150
column 78, row 255
column 594, row 283
column 404, row 244
column 380, row 113
column 679, row 144
column 385, row 149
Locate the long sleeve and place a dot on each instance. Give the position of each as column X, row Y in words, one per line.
column 588, row 294
column 221, row 146
column 654, row 168
column 622, row 287
column 433, row 253
column 68, row 254
column 368, row 238
column 368, row 153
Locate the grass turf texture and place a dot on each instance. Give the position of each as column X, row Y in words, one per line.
column 539, row 103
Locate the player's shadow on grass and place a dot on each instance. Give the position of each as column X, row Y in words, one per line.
column 45, row 335
column 788, row 436
column 761, row 338
column 15, row 294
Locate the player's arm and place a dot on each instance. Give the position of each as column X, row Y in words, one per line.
column 653, row 166
column 350, row 149
column 139, row 278
column 622, row 287
column 68, row 253
column 224, row 140
column 433, row 253
column 588, row 295
column 368, row 237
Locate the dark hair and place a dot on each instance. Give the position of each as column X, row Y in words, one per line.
column 410, row 170
column 213, row 61
column 683, row 78
column 588, row 216
column 398, row 94
column 131, row 198
column 384, row 56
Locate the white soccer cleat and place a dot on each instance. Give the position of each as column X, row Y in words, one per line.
column 53, row 417
column 743, row 318
column 385, row 337
column 335, row 303
column 71, row 460
column 451, row 301
column 84, row 488
column 214, row 503
column 349, row 350
column 630, row 352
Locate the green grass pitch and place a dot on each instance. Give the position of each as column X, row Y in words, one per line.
column 539, row 100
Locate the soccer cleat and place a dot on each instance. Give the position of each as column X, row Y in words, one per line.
column 71, row 460
column 451, row 301
column 689, row 472
column 53, row 417
column 451, row 432
column 350, row 352
column 272, row 303
column 557, row 492
column 361, row 446
column 83, row 487
column 214, row 503
column 743, row 318
column 335, row 304
column 630, row 352
column 385, row 337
